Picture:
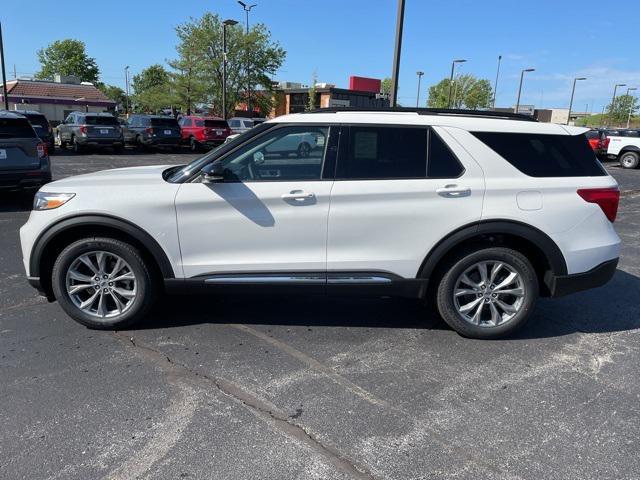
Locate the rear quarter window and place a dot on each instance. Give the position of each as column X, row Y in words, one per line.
column 541, row 155
column 16, row 128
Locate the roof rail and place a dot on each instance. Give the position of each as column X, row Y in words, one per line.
column 431, row 111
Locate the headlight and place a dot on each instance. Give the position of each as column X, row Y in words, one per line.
column 48, row 201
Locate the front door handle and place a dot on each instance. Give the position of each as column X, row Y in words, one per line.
column 297, row 195
column 453, row 191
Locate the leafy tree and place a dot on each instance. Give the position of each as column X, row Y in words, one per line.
column 467, row 92
column 311, row 102
column 152, row 89
column 385, row 86
column 113, row 93
column 67, row 57
column 621, row 109
column 188, row 86
column 200, row 58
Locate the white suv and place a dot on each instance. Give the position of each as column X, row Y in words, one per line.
column 478, row 212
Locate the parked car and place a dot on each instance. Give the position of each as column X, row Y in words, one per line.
column 199, row 132
column 24, row 160
column 480, row 213
column 41, row 126
column 258, row 120
column 153, row 131
column 624, row 147
column 82, row 130
column 240, row 124
column 598, row 142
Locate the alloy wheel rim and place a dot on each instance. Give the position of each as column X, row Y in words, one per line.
column 101, row 284
column 489, row 293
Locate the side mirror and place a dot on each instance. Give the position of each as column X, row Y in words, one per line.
column 213, row 173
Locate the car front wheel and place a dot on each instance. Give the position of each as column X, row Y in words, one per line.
column 489, row 293
column 103, row 283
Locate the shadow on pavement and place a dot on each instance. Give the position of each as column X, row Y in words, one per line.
column 16, row 201
column 611, row 308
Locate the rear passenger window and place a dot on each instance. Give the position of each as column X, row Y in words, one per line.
column 16, row 128
column 539, row 155
column 396, row 153
column 442, row 161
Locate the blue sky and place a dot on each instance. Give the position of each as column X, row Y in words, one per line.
column 338, row 38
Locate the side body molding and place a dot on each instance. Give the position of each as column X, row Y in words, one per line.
column 99, row 221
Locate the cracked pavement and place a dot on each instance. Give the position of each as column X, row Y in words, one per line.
column 314, row 388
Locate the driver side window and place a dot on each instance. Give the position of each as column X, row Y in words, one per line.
column 282, row 154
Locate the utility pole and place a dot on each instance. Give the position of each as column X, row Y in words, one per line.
column 126, row 84
column 613, row 102
column 631, row 100
column 247, row 9
column 4, row 75
column 453, row 67
column 520, row 87
column 225, row 24
column 495, row 87
column 420, row 74
column 573, row 91
column 396, row 54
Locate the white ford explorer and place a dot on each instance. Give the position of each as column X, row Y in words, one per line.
column 479, row 212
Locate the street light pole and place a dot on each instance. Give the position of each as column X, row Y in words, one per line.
column 520, row 87
column 453, row 67
column 396, row 54
column 573, row 91
column 420, row 74
column 630, row 105
column 4, row 75
column 495, row 87
column 225, row 24
column 247, row 9
column 613, row 101
column 126, row 83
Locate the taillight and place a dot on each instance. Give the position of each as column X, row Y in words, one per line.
column 83, row 129
column 149, row 130
column 42, row 150
column 605, row 142
column 606, row 198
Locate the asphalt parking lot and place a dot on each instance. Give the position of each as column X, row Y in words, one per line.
column 313, row 388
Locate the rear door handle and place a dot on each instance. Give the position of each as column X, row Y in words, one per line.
column 297, row 195
column 453, row 191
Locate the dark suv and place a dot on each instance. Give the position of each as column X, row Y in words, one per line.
column 148, row 131
column 83, row 130
column 24, row 161
column 41, row 125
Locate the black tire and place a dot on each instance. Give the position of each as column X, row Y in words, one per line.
column 447, row 305
column 77, row 148
column 194, row 146
column 629, row 160
column 51, row 149
column 146, row 286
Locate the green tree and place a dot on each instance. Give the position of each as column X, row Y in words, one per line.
column 152, row 89
column 467, row 91
column 113, row 93
column 385, row 86
column 622, row 105
column 67, row 57
column 311, row 102
column 199, row 63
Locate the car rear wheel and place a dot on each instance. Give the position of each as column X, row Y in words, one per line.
column 489, row 293
column 194, row 146
column 77, row 148
column 629, row 160
column 103, row 283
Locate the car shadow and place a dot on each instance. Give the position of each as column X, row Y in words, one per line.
column 16, row 201
column 612, row 308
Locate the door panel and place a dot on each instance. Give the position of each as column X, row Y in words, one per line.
column 269, row 215
column 391, row 224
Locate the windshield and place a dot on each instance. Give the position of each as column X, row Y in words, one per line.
column 38, row 121
column 99, row 120
column 188, row 170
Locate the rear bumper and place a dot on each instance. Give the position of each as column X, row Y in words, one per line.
column 163, row 142
column 24, row 179
column 562, row 285
column 99, row 142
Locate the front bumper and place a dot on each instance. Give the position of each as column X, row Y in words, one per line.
column 562, row 285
